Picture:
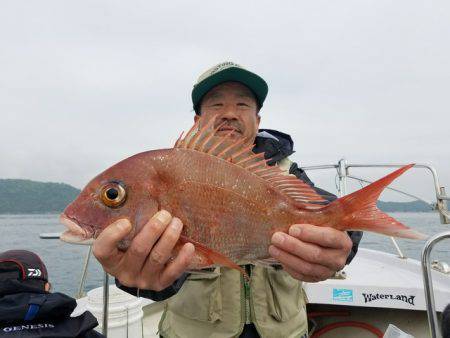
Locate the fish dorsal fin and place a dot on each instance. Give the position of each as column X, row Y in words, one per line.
column 240, row 153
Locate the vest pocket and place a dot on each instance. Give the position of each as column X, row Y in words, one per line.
column 284, row 295
column 199, row 297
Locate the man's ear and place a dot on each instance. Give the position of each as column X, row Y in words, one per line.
column 196, row 117
column 47, row 286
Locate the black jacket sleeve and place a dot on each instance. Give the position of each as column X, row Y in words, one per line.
column 155, row 295
column 355, row 236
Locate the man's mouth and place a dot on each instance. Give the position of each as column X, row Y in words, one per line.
column 228, row 129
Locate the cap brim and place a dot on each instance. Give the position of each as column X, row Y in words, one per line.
column 254, row 82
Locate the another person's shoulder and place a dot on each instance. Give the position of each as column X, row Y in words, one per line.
column 28, row 309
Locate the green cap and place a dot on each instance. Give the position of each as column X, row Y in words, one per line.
column 224, row 72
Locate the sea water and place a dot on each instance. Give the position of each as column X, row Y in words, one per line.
column 65, row 261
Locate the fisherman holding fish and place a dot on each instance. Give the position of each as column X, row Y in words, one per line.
column 224, row 226
column 221, row 303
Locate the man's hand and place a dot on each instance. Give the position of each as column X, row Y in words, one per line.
column 310, row 253
column 145, row 264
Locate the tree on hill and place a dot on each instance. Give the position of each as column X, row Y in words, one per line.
column 19, row 196
column 414, row 206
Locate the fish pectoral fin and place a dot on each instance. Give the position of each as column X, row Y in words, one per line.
column 213, row 257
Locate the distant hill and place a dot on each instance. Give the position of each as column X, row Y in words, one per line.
column 28, row 197
column 414, row 206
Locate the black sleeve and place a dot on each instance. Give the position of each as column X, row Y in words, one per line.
column 446, row 322
column 93, row 334
column 155, row 295
column 355, row 236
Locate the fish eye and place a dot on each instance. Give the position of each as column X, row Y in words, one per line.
column 113, row 194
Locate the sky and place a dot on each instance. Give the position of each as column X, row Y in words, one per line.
column 84, row 84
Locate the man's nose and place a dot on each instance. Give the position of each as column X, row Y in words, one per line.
column 229, row 113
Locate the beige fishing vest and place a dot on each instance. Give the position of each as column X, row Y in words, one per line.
column 217, row 304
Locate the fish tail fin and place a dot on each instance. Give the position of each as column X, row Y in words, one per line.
column 359, row 210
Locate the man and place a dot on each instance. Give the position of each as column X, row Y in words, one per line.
column 219, row 302
column 27, row 309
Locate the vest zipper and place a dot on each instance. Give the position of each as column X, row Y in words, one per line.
column 247, row 296
column 245, row 299
column 243, row 305
column 251, row 308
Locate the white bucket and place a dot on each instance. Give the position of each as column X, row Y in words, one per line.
column 124, row 312
column 394, row 332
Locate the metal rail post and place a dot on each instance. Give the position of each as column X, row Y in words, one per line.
column 442, row 207
column 105, row 304
column 428, row 283
column 84, row 273
column 342, row 173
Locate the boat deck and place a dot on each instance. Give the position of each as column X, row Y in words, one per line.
column 378, row 279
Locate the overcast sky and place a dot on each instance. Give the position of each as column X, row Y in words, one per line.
column 84, row 84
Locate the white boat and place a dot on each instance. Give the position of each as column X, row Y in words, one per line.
column 375, row 290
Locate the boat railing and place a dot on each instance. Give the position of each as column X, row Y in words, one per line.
column 428, row 283
column 343, row 174
column 80, row 292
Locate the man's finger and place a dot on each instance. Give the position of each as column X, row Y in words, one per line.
column 162, row 250
column 323, row 236
column 105, row 246
column 309, row 252
column 179, row 265
column 144, row 241
column 302, row 267
column 299, row 276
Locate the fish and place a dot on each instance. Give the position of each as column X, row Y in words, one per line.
column 229, row 199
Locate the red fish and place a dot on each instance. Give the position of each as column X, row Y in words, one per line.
column 229, row 200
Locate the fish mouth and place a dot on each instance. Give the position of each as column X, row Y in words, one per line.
column 74, row 233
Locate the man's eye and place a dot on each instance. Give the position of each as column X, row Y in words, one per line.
column 243, row 104
column 217, row 105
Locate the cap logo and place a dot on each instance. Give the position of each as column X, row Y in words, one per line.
column 222, row 66
column 216, row 69
column 34, row 273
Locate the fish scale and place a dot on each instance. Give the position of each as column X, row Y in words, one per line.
column 232, row 224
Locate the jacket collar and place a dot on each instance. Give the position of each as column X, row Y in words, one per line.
column 275, row 145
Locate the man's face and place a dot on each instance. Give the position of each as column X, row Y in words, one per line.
column 233, row 104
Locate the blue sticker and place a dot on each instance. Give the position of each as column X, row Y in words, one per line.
column 343, row 295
